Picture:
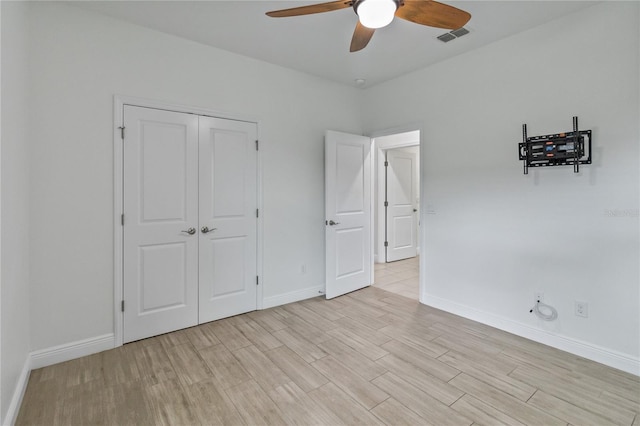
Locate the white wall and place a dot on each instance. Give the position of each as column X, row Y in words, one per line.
column 79, row 61
column 498, row 236
column 14, row 190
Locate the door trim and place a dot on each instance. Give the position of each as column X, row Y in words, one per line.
column 411, row 127
column 119, row 101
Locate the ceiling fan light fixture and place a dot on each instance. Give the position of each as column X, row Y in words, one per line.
column 376, row 13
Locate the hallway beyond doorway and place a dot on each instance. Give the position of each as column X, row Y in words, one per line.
column 401, row 277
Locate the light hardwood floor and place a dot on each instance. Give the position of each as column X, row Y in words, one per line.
column 401, row 277
column 370, row 357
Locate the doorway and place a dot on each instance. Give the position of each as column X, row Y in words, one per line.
column 397, row 213
column 189, row 222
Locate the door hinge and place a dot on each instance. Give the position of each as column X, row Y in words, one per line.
column 257, row 212
column 386, row 204
column 122, row 219
column 386, row 164
column 256, row 144
column 121, row 132
column 122, row 306
column 257, row 280
column 386, row 243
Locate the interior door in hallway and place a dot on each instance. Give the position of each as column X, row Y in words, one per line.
column 402, row 233
column 161, row 218
column 228, row 223
column 349, row 261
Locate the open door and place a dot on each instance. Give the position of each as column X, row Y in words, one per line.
column 402, row 232
column 348, row 213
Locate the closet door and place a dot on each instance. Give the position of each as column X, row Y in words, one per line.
column 228, row 223
column 161, row 222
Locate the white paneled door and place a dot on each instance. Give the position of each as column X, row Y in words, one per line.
column 189, row 220
column 228, row 224
column 348, row 213
column 402, row 234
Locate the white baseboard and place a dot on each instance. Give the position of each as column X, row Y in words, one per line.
column 293, row 296
column 587, row 350
column 18, row 394
column 73, row 350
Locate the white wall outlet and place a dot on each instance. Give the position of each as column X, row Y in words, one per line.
column 581, row 308
column 538, row 296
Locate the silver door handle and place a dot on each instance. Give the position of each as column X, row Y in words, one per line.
column 190, row 231
column 206, row 230
column 332, row 223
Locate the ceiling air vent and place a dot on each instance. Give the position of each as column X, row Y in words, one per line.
column 452, row 35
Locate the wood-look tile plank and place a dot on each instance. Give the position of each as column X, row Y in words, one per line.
column 310, row 316
column 483, row 414
column 169, row 404
column 513, row 387
column 174, row 338
column 201, row 337
column 187, row 363
column 355, row 386
column 294, row 341
column 257, row 335
column 228, row 334
column 119, row 366
column 322, row 308
column 126, row 404
column 153, row 363
column 371, row 334
column 498, row 364
column 352, row 359
column 261, row 368
column 566, row 411
column 83, row 370
column 254, row 405
column 41, row 404
column 226, row 370
column 616, row 400
column 333, row 399
column 360, row 344
column 355, row 305
column 421, row 360
column 299, row 371
column 583, row 397
column 517, row 409
column 440, row 390
column 310, row 332
column 423, row 341
column 211, row 405
column 419, row 401
column 298, row 408
column 392, row 412
column 268, row 320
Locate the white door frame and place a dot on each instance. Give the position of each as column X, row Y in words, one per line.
column 119, row 101
column 379, row 159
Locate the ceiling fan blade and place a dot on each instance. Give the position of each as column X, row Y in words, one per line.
column 313, row 8
column 433, row 14
column 361, row 37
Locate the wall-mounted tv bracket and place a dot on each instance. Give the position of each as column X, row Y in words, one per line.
column 560, row 149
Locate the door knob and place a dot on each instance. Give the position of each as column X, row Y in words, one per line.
column 206, row 230
column 332, row 223
column 190, row 231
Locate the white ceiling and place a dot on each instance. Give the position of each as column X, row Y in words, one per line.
column 319, row 44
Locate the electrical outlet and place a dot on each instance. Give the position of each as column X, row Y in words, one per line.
column 538, row 296
column 581, row 308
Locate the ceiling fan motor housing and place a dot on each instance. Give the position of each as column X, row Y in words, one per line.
column 378, row 13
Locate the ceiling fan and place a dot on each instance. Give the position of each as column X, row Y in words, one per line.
column 373, row 14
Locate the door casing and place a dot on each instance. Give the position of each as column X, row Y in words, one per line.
column 118, row 203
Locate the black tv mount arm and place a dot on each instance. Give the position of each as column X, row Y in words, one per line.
column 559, row 149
